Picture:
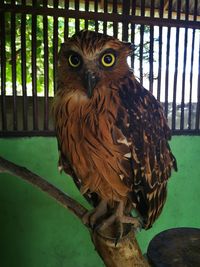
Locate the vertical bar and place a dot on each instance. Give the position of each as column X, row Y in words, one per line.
column 105, row 24
column 167, row 60
column 176, row 69
column 133, row 34
column 142, row 41
column 141, row 52
column 96, row 11
column 142, row 8
column 55, row 46
column 151, row 49
column 77, row 24
column 198, row 97
column 13, row 60
column 191, row 71
column 115, row 24
column 184, row 69
column 126, row 8
column 46, row 70
column 23, row 68
column 34, row 70
column 66, row 30
column 191, row 80
column 160, row 51
column 86, row 9
column 3, row 72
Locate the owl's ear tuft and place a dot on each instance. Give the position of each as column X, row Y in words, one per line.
column 129, row 48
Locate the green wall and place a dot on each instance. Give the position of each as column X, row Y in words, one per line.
column 36, row 231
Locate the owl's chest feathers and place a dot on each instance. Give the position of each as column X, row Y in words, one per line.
column 88, row 131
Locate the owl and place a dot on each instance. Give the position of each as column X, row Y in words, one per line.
column 112, row 133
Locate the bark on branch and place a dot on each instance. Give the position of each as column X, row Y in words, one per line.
column 125, row 254
column 62, row 198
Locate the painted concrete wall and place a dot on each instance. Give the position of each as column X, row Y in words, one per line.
column 36, row 231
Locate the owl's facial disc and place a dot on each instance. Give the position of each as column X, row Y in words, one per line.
column 90, row 80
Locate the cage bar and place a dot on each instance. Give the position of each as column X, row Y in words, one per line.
column 184, row 69
column 167, row 60
column 34, row 69
column 23, row 71
column 46, row 70
column 125, row 14
column 14, row 78
column 66, row 31
column 3, row 73
column 55, row 45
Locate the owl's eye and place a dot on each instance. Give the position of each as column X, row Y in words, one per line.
column 108, row 60
column 74, row 60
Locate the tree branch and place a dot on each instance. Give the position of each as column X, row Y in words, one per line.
column 63, row 199
column 125, row 254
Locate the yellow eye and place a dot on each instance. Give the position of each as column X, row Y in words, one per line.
column 108, row 60
column 74, row 60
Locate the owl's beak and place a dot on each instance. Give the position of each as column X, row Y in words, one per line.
column 90, row 81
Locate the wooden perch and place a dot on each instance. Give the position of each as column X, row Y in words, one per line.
column 125, row 254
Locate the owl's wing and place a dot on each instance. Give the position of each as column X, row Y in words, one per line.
column 147, row 134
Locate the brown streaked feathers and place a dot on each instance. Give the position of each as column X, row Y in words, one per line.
column 113, row 140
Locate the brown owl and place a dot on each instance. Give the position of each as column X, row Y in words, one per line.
column 112, row 133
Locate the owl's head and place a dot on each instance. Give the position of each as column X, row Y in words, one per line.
column 89, row 59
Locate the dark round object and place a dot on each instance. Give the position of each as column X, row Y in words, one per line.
column 177, row 247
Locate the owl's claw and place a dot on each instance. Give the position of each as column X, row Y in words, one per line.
column 91, row 217
column 121, row 219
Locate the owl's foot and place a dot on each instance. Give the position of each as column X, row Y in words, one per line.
column 120, row 219
column 92, row 217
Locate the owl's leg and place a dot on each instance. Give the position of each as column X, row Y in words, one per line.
column 91, row 217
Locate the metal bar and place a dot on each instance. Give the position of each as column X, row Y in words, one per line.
column 169, row 9
column 198, row 97
column 195, row 9
column 126, row 9
column 26, row 133
column 13, row 60
column 176, row 70
column 115, row 24
column 50, row 133
column 77, row 23
column 3, row 71
column 101, row 16
column 183, row 80
column 142, row 8
column 141, row 52
column 175, row 81
column 142, row 11
column 34, row 72
column 160, row 52
column 86, row 9
column 23, row 72
column 46, row 70
column 66, row 30
column 167, row 71
column 191, row 80
column 96, row 12
column 133, row 35
column 159, row 62
column 55, row 47
column 169, row 4
column 161, row 9
column 151, row 51
column 184, row 69
column 191, row 71
column 105, row 24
